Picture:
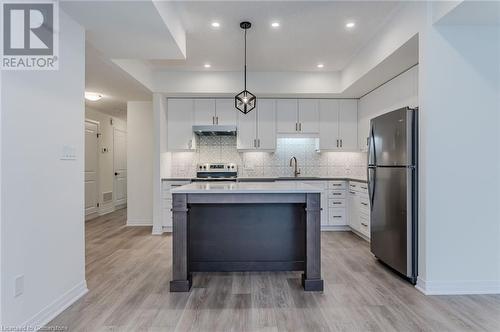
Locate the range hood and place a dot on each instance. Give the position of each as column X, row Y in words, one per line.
column 215, row 130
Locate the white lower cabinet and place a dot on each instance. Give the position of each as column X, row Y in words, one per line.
column 359, row 208
column 166, row 201
column 337, row 214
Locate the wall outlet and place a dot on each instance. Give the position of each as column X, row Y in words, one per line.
column 19, row 286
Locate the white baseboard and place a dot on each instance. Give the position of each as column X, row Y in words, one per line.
column 120, row 206
column 139, row 222
column 467, row 287
column 167, row 229
column 331, row 228
column 55, row 308
column 106, row 208
column 157, row 230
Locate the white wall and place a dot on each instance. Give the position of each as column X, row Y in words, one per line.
column 460, row 159
column 42, row 195
column 106, row 160
column 399, row 92
column 140, row 146
column 261, row 83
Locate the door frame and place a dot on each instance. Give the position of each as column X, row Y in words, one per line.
column 114, row 169
column 98, row 170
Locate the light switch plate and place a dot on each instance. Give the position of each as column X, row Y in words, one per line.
column 68, row 152
column 19, row 286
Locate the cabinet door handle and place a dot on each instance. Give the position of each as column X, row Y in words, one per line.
column 296, row 126
column 300, row 126
column 254, row 143
column 366, row 204
column 216, row 120
column 258, row 142
column 337, row 143
column 341, row 143
column 352, row 192
column 213, row 119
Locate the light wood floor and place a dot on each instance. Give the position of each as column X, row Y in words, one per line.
column 128, row 272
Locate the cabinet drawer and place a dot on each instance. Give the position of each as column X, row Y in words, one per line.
column 337, row 216
column 364, row 224
column 364, row 204
column 338, row 185
column 363, row 187
column 336, row 194
column 336, row 203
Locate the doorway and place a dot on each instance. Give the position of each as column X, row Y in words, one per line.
column 120, row 167
column 91, row 168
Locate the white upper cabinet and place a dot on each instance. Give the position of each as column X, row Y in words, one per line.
column 297, row 116
column 329, row 124
column 204, row 112
column 225, row 112
column 257, row 129
column 287, row 116
column 338, row 124
column 214, row 112
column 308, row 121
column 180, row 124
column 247, row 131
column 348, row 124
column 266, row 124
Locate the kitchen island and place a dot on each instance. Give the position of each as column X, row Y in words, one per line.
column 257, row 226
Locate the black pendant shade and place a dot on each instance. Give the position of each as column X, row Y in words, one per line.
column 245, row 101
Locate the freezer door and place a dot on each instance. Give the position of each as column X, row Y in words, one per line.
column 391, row 217
column 392, row 138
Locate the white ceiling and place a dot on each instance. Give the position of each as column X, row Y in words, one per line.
column 311, row 32
column 116, row 85
column 125, row 29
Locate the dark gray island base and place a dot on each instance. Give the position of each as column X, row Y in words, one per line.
column 246, row 227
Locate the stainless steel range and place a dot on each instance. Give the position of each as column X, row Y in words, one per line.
column 220, row 172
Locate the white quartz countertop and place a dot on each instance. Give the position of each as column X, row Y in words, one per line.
column 289, row 187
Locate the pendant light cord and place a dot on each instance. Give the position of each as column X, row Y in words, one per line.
column 245, row 75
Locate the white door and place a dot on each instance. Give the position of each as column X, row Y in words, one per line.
column 266, row 124
column 247, row 132
column 204, row 112
column 120, row 166
column 286, row 116
column 91, row 167
column 308, row 116
column 225, row 112
column 329, row 125
column 348, row 128
column 180, row 124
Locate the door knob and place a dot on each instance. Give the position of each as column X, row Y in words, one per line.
column 116, row 173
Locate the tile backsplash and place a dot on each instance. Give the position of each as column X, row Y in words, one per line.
column 270, row 164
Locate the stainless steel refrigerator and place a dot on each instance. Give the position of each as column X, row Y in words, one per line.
column 392, row 189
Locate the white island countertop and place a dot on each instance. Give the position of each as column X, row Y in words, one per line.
column 289, row 187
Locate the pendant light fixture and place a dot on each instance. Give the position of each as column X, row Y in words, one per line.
column 245, row 101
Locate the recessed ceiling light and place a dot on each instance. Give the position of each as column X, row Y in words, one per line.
column 350, row 25
column 215, row 24
column 207, row 65
column 93, row 96
column 320, row 65
column 275, row 24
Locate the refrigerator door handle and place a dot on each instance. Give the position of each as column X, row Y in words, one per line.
column 371, row 185
column 372, row 160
